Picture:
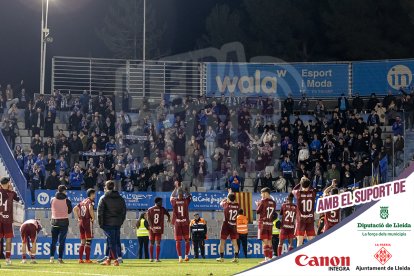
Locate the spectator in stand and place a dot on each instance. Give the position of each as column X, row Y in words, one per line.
column 287, row 168
column 386, row 102
column 372, row 102
column 76, row 178
column 357, row 104
column 373, row 118
column 200, row 171
column 125, row 122
column 398, row 127
column 38, row 121
column 399, row 149
column 289, row 104
column 61, row 164
column 36, row 144
column 34, row 180
column 52, row 181
column 210, row 138
column 408, row 106
column 49, row 121
column 19, row 155
column 234, row 182
column 343, row 105
column 75, row 147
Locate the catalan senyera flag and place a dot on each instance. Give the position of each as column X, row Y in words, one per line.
column 245, row 201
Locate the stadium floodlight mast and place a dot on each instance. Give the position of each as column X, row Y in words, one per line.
column 44, row 39
column 143, row 47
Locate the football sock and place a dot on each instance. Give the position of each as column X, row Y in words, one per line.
column 158, row 249
column 290, row 248
column 187, row 248
column 32, row 256
column 178, row 247
column 268, row 251
column 151, row 251
column 236, row 255
column 279, row 250
column 81, row 249
column 24, row 256
column 8, row 254
column 221, row 255
column 88, row 252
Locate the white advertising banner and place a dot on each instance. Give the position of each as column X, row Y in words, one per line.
column 377, row 239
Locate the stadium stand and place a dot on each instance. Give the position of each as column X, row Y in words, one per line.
column 202, row 142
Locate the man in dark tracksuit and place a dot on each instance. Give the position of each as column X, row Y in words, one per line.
column 111, row 216
column 198, row 227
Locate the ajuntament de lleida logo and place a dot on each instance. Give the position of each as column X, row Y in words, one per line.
column 384, row 212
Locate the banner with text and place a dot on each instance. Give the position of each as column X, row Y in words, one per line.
column 130, row 248
column 136, row 200
column 381, row 76
column 372, row 241
column 277, row 80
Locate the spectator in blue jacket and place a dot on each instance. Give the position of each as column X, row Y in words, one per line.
column 111, row 145
column 398, row 127
column 76, row 178
column 61, row 164
column 316, row 144
column 288, row 168
column 235, row 182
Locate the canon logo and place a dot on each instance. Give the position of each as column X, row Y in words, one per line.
column 304, row 260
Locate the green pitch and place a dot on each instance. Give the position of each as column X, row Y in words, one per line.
column 208, row 267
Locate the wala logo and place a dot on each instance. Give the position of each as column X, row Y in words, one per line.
column 383, row 255
column 333, row 263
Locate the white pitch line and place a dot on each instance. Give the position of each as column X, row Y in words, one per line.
column 57, row 272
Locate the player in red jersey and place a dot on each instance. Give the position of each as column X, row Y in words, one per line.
column 305, row 218
column 180, row 219
column 333, row 217
column 7, row 195
column 28, row 231
column 287, row 229
column 266, row 210
column 85, row 215
column 156, row 226
column 229, row 228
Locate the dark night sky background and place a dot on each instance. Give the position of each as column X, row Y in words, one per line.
column 73, row 25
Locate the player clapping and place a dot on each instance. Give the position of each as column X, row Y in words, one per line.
column 85, row 216
column 156, row 223
column 266, row 209
column 287, row 229
column 229, row 227
column 305, row 218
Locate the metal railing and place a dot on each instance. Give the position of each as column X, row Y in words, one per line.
column 16, row 175
column 149, row 79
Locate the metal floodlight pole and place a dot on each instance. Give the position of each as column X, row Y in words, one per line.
column 41, row 48
column 143, row 49
column 43, row 42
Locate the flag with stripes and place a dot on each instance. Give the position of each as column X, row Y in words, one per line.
column 245, row 201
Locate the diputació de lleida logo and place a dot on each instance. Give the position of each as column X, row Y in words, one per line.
column 384, row 212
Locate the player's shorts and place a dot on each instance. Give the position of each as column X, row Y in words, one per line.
column 303, row 228
column 154, row 236
column 287, row 234
column 6, row 230
column 28, row 231
column 264, row 233
column 86, row 229
column 228, row 230
column 181, row 232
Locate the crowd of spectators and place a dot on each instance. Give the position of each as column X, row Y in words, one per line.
column 204, row 142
